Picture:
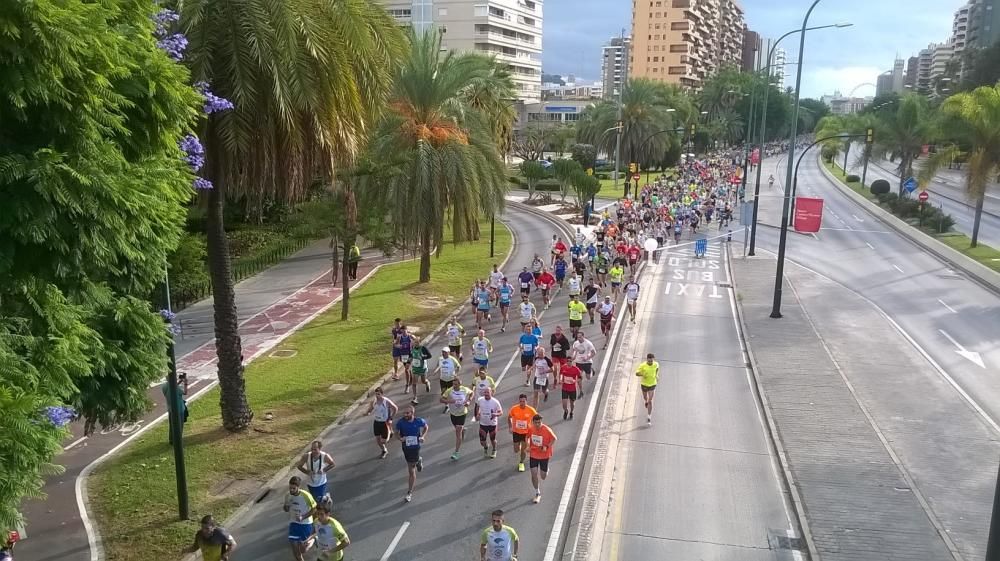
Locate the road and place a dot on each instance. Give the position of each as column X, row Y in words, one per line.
column 955, row 320
column 945, row 194
column 452, row 500
column 701, row 481
column 270, row 305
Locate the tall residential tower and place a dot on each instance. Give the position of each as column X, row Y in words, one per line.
column 614, row 65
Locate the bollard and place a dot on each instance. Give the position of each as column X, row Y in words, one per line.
column 729, row 236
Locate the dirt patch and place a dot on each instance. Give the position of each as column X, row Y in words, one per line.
column 239, row 489
column 432, row 302
column 540, row 200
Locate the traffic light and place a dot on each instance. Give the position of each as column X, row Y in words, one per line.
column 693, row 130
column 870, row 136
column 633, row 167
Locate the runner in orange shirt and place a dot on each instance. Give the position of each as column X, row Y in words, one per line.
column 541, row 439
column 519, row 419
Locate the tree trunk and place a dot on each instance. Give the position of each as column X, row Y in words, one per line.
column 425, row 255
column 334, row 257
column 236, row 412
column 979, row 216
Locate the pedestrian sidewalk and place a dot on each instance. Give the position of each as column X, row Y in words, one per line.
column 885, row 457
column 951, row 183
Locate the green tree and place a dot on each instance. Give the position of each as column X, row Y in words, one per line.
column 584, row 154
column 585, row 187
column 533, row 172
column 971, row 119
column 981, row 67
column 903, row 132
column 564, row 170
column 448, row 166
column 486, row 94
column 561, row 138
column 531, row 143
column 94, row 190
column 307, row 78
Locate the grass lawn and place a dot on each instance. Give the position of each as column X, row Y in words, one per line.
column 134, row 496
column 956, row 240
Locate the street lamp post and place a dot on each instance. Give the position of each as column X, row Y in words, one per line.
column 763, row 116
column 493, row 218
column 783, row 239
column 175, row 419
column 618, row 139
column 650, row 137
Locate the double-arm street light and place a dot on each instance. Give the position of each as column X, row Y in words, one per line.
column 763, row 117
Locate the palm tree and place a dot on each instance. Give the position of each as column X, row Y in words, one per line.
column 645, row 105
column 306, row 76
column 449, row 167
column 902, row 133
column 972, row 119
column 487, row 94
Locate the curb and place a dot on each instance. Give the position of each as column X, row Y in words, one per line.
column 798, row 507
column 985, row 276
column 935, row 191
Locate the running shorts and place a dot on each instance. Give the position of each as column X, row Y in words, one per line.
column 542, row 464
column 575, row 322
column 647, row 388
column 458, row 420
column 299, row 532
column 527, row 360
column 380, row 429
column 569, row 394
column 411, row 454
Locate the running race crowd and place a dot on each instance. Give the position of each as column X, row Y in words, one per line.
column 594, row 268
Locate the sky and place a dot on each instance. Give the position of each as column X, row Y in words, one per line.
column 836, row 59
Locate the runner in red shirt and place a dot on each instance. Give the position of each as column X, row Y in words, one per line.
column 558, row 248
column 620, row 247
column 545, row 282
column 569, row 375
column 633, row 255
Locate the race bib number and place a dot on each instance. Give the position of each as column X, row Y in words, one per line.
column 412, row 440
column 556, row 348
column 536, row 439
column 568, row 380
column 520, row 425
column 527, row 347
column 524, row 285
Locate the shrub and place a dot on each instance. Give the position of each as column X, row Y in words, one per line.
column 880, row 187
column 853, row 178
column 515, row 180
column 547, row 185
column 602, row 176
column 945, row 223
column 188, row 276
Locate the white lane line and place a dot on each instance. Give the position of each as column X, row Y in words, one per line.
column 264, row 327
column 506, row 368
column 285, row 313
column 813, row 234
column 859, row 231
column 870, row 245
column 856, row 218
column 950, row 309
column 395, row 541
column 898, row 269
column 75, row 442
column 517, row 352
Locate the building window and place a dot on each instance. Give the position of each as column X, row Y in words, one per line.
column 678, row 48
column 679, row 26
column 656, row 59
column 675, row 70
column 657, row 26
column 480, row 11
column 442, row 11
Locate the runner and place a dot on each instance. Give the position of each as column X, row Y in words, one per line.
column 526, row 310
column 315, row 464
column 419, row 355
column 456, row 400
column 519, row 421
column 569, row 380
column 545, row 282
column 560, row 346
column 576, row 310
column 481, row 349
column 499, row 542
column 331, row 538
column 481, row 382
column 384, row 410
column 575, row 284
column 649, row 373
column 396, row 325
column 602, row 269
column 607, row 313
column 405, row 342
column 412, row 431
column 504, row 295
column 528, row 343
column 583, row 356
column 592, row 292
column 536, row 266
column 540, row 370
column 541, row 439
column 300, row 506
column 560, row 270
column 488, row 411
column 770, row 182
column 455, row 333
column 633, row 252
column 496, row 277
column 214, row 542
column 524, row 278
column 447, row 370
column 631, row 295
column 483, row 297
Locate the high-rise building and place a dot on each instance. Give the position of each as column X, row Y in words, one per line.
column 752, row 47
column 614, row 65
column 883, row 85
column 510, row 30
column 940, row 57
column 684, row 41
column 778, row 67
column 910, row 80
column 924, row 60
column 960, row 28
column 897, row 75
column 976, row 25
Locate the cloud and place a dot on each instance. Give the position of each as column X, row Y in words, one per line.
column 825, row 80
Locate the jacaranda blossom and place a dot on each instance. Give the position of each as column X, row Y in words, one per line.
column 60, row 416
column 194, row 152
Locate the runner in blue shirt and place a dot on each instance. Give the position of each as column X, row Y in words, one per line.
column 525, row 278
column 528, row 343
column 506, row 291
column 412, row 430
column 560, row 269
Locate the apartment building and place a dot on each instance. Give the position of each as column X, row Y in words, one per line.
column 614, row 65
column 976, row 25
column 778, row 67
column 753, row 47
column 510, row 30
column 684, row 41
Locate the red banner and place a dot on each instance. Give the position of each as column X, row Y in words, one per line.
column 808, row 214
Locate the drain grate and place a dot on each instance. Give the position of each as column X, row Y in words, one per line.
column 780, row 540
column 724, row 285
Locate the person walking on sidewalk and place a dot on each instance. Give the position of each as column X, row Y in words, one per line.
column 300, row 506
column 648, row 373
column 214, row 542
column 541, row 439
column 412, row 431
column 315, row 464
column 353, row 259
column 384, row 410
column 499, row 542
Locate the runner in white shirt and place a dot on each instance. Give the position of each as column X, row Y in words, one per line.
column 488, row 412
column 526, row 310
column 582, row 353
column 580, row 237
column 481, row 349
column 606, row 310
column 384, row 410
column 540, row 371
column 482, row 382
column 495, row 277
column 631, row 295
column 575, row 284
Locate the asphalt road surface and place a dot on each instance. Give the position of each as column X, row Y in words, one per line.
column 453, row 499
column 700, row 482
column 955, row 320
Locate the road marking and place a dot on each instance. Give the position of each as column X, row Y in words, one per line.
column 813, row 234
column 264, row 327
column 74, row 443
column 517, row 352
column 970, row 355
column 858, row 231
column 950, row 309
column 898, row 269
column 506, row 368
column 856, row 218
column 870, row 245
column 395, row 541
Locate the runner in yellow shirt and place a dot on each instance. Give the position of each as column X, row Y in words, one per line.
column 576, row 311
column 617, row 274
column 648, row 373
